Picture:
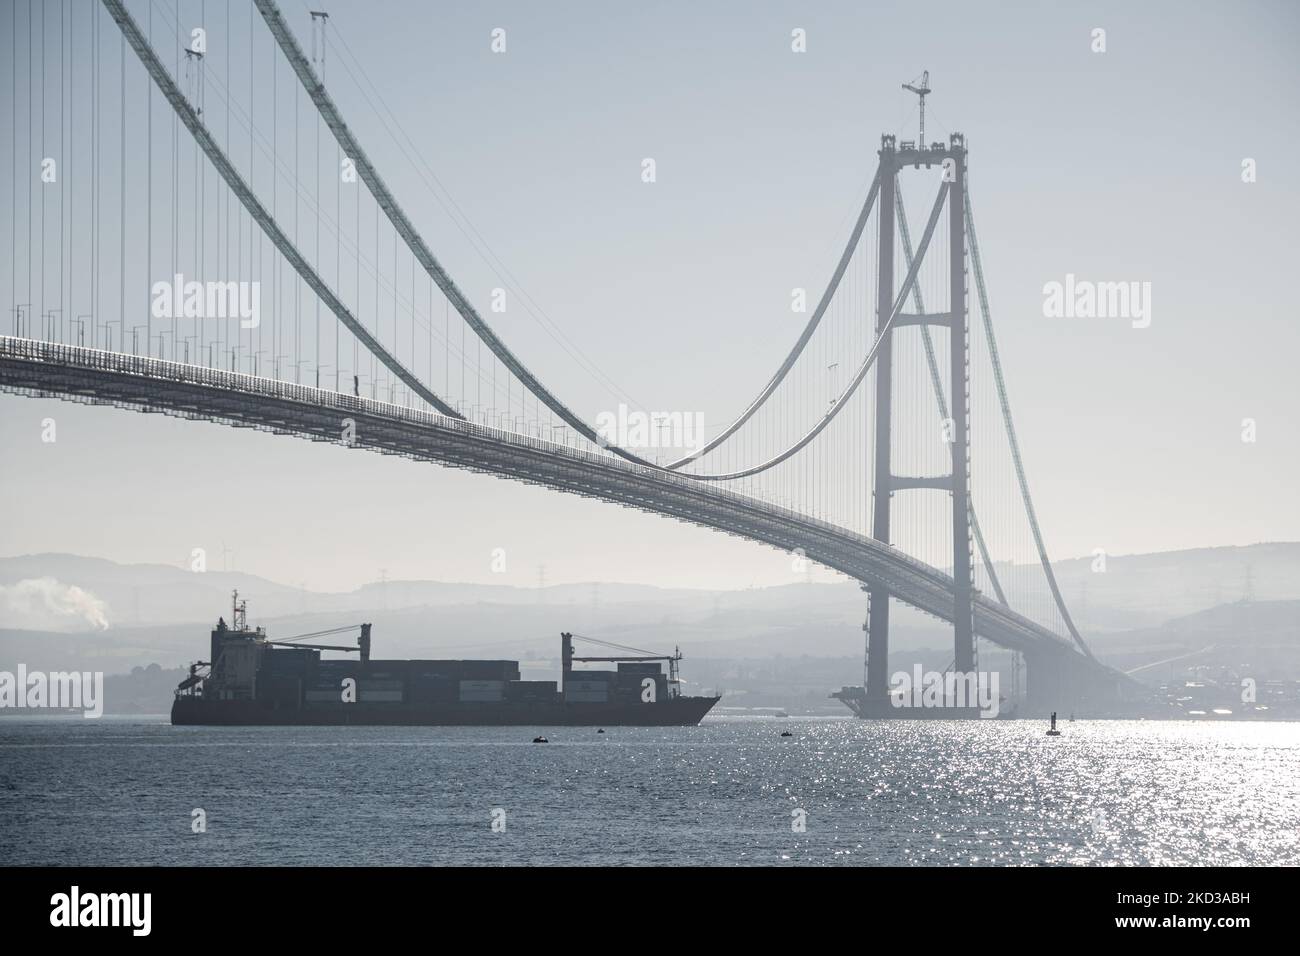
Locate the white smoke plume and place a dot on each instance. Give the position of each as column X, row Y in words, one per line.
column 46, row 604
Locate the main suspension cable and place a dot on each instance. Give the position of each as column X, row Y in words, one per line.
column 867, row 362
column 1005, row 405
column 250, row 201
column 370, row 176
column 804, row 337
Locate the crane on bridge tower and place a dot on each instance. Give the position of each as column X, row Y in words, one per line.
column 921, row 87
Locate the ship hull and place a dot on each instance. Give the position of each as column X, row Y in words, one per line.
column 674, row 712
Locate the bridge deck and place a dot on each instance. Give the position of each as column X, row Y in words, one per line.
column 95, row 376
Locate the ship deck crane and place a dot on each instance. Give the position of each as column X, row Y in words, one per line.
column 673, row 659
column 363, row 640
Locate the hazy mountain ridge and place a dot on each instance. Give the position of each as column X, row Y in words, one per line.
column 1148, row 589
column 160, row 613
column 1133, row 590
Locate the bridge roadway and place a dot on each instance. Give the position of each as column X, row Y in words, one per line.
column 94, row 376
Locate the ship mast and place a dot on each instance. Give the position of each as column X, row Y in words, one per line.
column 238, row 613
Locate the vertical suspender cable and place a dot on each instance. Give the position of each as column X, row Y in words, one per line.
column 257, row 211
column 33, row 302
column 43, row 154
column 121, row 248
column 148, row 229
column 13, row 152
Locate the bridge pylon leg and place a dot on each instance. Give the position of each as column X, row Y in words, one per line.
column 877, row 689
column 957, row 429
column 962, row 555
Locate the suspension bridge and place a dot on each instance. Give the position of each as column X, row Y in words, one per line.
column 159, row 188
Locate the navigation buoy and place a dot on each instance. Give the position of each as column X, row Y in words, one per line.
column 1053, row 732
column 540, row 740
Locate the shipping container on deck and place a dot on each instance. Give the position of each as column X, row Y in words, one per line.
column 632, row 687
column 371, row 691
column 486, row 691
column 429, row 689
column 588, row 687
column 335, row 671
column 575, row 696
column 640, row 667
column 472, row 670
column 532, row 690
column 606, row 676
column 289, row 661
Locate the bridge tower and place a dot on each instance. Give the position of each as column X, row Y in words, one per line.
column 894, row 157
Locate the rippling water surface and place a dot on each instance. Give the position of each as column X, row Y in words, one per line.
column 122, row 791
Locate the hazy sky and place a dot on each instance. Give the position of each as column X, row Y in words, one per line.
column 1116, row 166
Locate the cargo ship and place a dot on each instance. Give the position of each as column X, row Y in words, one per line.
column 249, row 679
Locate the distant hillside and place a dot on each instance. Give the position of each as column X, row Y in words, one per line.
column 57, row 610
column 798, row 619
column 1134, row 590
column 40, row 591
column 1143, row 590
column 1245, row 637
